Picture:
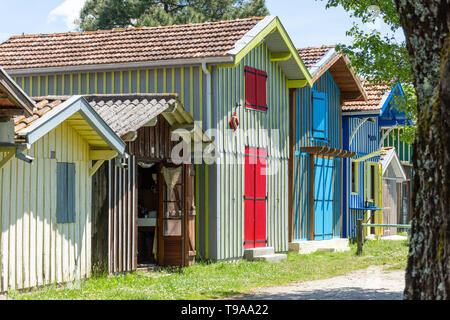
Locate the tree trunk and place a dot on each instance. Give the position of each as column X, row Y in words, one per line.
column 426, row 26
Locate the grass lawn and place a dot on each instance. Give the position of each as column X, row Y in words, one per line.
column 219, row 280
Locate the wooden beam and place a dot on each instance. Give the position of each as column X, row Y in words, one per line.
column 6, row 112
column 280, row 56
column 9, row 155
column 95, row 167
column 188, row 127
column 102, row 155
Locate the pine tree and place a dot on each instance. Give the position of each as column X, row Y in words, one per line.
column 109, row 14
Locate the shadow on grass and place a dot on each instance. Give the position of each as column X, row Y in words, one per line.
column 348, row 293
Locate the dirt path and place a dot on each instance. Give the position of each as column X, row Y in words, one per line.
column 374, row 283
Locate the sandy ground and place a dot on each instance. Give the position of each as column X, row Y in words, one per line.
column 373, row 283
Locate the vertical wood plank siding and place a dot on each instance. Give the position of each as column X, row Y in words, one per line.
column 404, row 150
column 35, row 249
column 362, row 145
column 229, row 97
column 219, row 188
column 303, row 138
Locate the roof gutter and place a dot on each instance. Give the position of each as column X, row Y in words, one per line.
column 117, row 66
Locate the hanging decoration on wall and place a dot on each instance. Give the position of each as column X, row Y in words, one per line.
column 234, row 121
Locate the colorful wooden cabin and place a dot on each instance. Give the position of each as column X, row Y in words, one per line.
column 144, row 212
column 45, row 192
column 316, row 146
column 227, row 74
column 371, row 182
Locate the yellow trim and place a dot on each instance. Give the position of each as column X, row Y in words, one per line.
column 95, row 167
column 164, row 80
column 31, row 86
column 130, row 82
column 296, row 83
column 371, row 155
column 102, row 154
column 280, row 56
column 156, row 80
column 39, row 86
column 274, row 25
column 138, row 80
column 121, row 82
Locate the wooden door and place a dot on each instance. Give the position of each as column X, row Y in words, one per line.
column 176, row 217
column 189, row 251
column 255, row 198
column 323, row 198
column 171, row 218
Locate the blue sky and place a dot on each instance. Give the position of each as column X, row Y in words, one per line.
column 308, row 22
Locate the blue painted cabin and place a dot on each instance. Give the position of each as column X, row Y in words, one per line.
column 370, row 190
column 316, row 145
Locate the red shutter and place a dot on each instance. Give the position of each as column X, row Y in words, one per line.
column 249, row 202
column 261, row 90
column 260, row 199
column 250, row 88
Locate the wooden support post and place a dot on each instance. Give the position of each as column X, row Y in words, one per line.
column 360, row 235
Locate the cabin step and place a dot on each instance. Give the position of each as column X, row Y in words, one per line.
column 332, row 245
column 272, row 258
column 250, row 254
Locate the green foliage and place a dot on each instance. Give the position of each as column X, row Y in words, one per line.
column 109, row 14
column 380, row 58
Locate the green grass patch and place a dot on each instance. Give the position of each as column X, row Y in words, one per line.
column 222, row 279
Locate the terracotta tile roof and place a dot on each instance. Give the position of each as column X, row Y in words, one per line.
column 375, row 94
column 312, row 55
column 123, row 113
column 211, row 39
column 126, row 113
column 44, row 105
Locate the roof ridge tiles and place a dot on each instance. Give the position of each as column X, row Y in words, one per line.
column 90, row 32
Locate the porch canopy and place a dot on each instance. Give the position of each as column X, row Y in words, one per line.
column 328, row 151
column 127, row 113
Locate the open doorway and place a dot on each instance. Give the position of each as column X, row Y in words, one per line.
column 148, row 203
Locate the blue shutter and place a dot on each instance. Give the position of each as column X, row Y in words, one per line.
column 65, row 193
column 61, row 192
column 70, row 193
column 319, row 115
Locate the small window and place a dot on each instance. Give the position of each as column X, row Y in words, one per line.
column 355, row 176
column 65, row 181
column 255, row 89
column 319, row 116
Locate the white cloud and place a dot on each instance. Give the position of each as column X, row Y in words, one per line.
column 69, row 10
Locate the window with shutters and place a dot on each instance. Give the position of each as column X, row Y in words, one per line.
column 65, row 194
column 255, row 89
column 319, row 116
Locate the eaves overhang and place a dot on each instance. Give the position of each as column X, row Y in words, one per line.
column 271, row 31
